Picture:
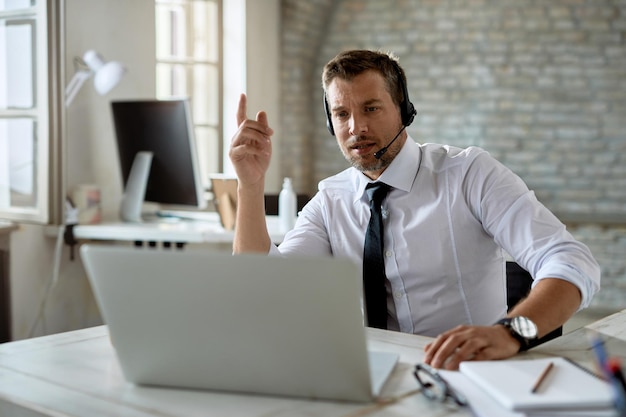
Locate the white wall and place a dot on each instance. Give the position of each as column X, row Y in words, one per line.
column 120, row 30
column 259, row 78
column 263, row 64
column 123, row 31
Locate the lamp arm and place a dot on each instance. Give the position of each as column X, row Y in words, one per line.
column 75, row 84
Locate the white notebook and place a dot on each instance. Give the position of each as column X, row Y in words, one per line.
column 567, row 386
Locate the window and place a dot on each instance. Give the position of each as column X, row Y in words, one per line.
column 189, row 56
column 24, row 114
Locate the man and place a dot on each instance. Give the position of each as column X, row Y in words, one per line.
column 448, row 216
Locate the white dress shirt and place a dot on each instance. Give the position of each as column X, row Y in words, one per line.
column 447, row 219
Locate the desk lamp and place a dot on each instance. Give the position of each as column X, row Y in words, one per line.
column 106, row 75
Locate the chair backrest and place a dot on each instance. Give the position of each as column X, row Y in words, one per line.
column 518, row 283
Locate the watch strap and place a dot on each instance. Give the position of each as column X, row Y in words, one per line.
column 524, row 343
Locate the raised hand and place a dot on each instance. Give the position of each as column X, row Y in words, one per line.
column 251, row 147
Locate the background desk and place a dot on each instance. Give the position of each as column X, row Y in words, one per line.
column 76, row 374
column 208, row 230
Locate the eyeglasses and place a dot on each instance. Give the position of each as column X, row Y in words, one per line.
column 435, row 387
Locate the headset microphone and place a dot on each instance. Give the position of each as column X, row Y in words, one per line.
column 383, row 150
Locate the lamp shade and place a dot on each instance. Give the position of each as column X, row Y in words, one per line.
column 106, row 75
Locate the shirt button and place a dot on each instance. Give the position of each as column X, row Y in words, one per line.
column 388, row 254
column 398, row 295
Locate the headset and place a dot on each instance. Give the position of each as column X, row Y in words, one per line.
column 407, row 109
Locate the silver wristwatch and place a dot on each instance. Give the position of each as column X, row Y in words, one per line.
column 522, row 329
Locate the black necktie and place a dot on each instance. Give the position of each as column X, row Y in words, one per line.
column 373, row 262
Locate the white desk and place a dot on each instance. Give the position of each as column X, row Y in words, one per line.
column 208, row 230
column 76, row 374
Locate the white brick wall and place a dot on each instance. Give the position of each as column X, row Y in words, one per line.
column 541, row 84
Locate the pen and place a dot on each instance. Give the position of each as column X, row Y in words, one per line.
column 597, row 347
column 614, row 367
column 542, row 377
column 611, row 375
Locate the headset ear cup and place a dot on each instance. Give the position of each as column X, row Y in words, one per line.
column 407, row 109
column 409, row 113
column 329, row 122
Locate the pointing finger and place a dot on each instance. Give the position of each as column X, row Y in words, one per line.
column 241, row 111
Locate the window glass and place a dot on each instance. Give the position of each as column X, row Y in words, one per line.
column 207, row 139
column 16, row 4
column 205, row 94
column 171, row 80
column 170, row 33
column 18, row 186
column 24, row 111
column 17, row 68
column 188, row 65
column 205, row 24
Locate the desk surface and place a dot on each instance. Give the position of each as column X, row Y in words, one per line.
column 76, row 374
column 206, row 230
column 7, row 226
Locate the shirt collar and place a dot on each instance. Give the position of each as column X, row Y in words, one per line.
column 400, row 173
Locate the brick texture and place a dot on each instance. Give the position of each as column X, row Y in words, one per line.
column 541, row 84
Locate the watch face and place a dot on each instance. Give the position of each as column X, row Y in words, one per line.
column 524, row 327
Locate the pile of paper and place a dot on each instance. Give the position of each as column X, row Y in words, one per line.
column 504, row 389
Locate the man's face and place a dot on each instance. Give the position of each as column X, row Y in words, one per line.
column 365, row 119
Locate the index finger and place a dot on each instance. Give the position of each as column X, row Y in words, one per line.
column 242, row 109
column 432, row 348
column 439, row 350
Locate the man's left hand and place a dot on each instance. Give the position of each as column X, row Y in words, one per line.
column 465, row 343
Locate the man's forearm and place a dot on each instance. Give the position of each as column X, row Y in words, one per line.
column 251, row 235
column 550, row 304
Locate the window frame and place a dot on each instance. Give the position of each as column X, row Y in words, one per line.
column 190, row 64
column 47, row 113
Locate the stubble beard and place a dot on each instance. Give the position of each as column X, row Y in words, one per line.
column 366, row 166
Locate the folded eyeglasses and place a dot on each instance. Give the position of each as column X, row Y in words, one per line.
column 434, row 387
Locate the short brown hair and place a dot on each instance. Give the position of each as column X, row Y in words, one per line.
column 349, row 64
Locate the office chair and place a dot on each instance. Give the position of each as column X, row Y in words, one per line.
column 518, row 283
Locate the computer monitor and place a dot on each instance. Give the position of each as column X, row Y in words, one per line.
column 158, row 157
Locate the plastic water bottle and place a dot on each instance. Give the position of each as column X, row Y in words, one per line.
column 287, row 207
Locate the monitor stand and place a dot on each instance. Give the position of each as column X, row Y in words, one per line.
column 135, row 190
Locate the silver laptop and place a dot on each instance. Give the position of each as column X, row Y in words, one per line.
column 248, row 323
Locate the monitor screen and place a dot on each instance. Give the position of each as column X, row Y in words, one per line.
column 164, row 129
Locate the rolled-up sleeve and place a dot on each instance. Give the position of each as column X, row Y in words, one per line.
column 309, row 236
column 531, row 233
